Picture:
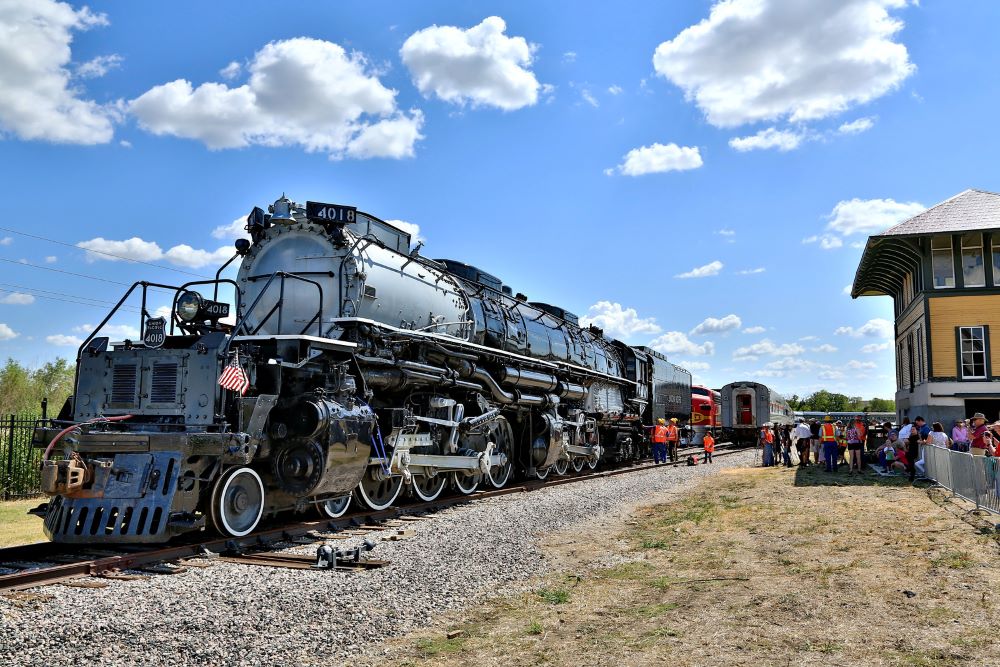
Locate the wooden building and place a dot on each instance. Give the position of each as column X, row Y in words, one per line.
column 942, row 270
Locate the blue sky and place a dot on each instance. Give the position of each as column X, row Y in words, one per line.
column 589, row 154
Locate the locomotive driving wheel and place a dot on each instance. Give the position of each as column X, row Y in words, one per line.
column 428, row 487
column 542, row 474
column 378, row 491
column 237, row 502
column 578, row 463
column 502, row 436
column 466, row 484
column 335, row 507
column 561, row 466
column 592, row 463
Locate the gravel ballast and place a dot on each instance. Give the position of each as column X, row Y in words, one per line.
column 241, row 614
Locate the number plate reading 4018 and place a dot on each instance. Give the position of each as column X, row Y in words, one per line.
column 321, row 212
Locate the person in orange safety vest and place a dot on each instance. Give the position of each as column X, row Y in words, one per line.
column 828, row 438
column 660, row 441
column 672, row 438
column 709, row 443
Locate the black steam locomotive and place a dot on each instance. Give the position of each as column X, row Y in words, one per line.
column 355, row 368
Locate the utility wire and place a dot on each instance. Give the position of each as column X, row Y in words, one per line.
column 73, row 298
column 102, row 252
column 79, row 303
column 70, row 273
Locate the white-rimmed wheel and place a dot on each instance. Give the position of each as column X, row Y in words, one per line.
column 577, row 463
column 592, row 463
column 237, row 502
column 376, row 491
column 561, row 466
column 542, row 473
column 334, row 508
column 502, row 436
column 429, row 487
column 466, row 484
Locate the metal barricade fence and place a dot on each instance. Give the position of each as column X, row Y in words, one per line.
column 975, row 478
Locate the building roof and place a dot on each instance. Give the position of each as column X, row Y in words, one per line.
column 972, row 210
column 889, row 256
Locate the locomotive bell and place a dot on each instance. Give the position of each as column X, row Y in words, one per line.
column 281, row 212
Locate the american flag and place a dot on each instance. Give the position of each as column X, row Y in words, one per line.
column 233, row 377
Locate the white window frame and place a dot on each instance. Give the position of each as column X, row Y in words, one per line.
column 950, row 251
column 982, row 259
column 962, row 353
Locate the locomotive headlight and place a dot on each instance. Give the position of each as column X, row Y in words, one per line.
column 188, row 306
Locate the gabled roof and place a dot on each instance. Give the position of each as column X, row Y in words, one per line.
column 972, row 210
column 889, row 256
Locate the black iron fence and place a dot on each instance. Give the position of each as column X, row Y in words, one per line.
column 19, row 462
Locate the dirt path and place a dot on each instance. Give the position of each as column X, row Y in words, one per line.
column 751, row 567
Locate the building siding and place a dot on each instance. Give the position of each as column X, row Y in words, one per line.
column 948, row 312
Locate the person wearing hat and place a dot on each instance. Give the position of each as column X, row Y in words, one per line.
column 803, row 434
column 980, row 435
column 672, row 438
column 660, row 441
column 960, row 436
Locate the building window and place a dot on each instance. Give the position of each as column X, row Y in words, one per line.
column 973, row 270
column 972, row 350
column 944, row 267
column 996, row 261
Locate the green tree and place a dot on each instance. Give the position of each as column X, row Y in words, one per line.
column 22, row 389
column 881, row 405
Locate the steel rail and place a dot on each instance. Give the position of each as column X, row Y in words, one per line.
column 43, row 552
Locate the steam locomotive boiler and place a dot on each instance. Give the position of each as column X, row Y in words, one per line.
column 354, row 368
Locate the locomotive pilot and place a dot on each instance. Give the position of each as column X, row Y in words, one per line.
column 660, row 441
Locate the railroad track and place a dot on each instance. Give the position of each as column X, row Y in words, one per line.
column 47, row 563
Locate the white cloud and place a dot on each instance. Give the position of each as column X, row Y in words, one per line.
column 480, row 66
column 39, row 100
column 757, row 60
column 99, row 66
column 857, row 126
column 138, row 249
column 783, row 140
column 17, row 299
column 873, row 328
column 411, row 228
column 808, row 338
column 675, row 342
column 6, row 333
column 618, row 321
column 717, row 325
column 185, row 255
column 589, row 98
column 234, row 230
column 615, row 90
column 133, row 248
column 831, row 375
column 767, row 348
column 569, row 57
column 62, row 340
column 231, row 71
column 305, row 92
column 125, row 144
column 123, row 330
column 164, row 312
column 870, row 216
column 660, row 158
column 694, row 365
column 875, row 347
column 7, row 240
column 825, row 347
column 847, row 289
column 751, row 272
column 754, row 330
column 711, row 269
column 859, row 365
column 728, row 233
column 826, row 241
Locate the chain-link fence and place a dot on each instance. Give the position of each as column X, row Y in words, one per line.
column 974, row 478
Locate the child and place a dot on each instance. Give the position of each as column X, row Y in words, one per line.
column 709, row 443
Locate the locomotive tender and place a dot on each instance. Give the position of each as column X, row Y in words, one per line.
column 370, row 369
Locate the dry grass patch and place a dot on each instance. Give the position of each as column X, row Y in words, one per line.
column 756, row 567
column 17, row 526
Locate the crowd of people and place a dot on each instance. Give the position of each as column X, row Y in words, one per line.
column 834, row 443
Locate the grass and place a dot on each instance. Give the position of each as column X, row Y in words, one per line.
column 17, row 526
column 752, row 567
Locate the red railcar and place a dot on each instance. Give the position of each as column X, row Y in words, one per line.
column 705, row 412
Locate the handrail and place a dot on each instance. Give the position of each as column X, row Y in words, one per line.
column 185, row 286
column 242, row 321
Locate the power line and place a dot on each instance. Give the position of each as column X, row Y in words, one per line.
column 73, row 301
column 69, row 273
column 102, row 252
column 60, row 296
